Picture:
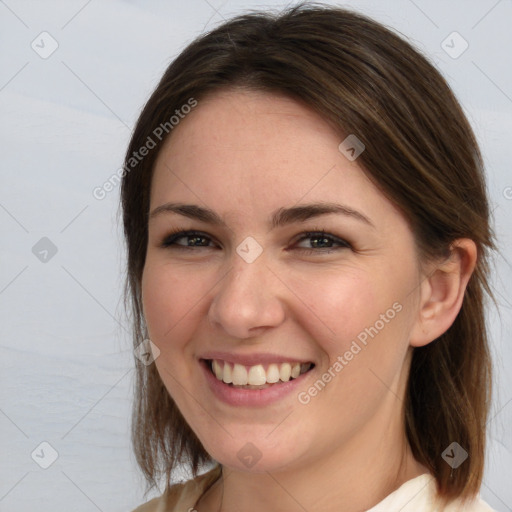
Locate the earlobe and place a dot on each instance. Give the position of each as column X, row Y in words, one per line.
column 442, row 292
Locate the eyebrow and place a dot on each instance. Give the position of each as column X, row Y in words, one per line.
column 280, row 217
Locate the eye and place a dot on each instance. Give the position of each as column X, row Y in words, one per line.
column 323, row 238
column 323, row 242
column 194, row 236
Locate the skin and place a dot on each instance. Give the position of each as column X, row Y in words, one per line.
column 245, row 155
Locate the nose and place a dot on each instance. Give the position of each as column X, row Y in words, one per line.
column 249, row 299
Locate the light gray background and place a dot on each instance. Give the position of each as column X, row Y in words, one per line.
column 65, row 356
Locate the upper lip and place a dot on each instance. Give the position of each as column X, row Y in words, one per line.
column 252, row 359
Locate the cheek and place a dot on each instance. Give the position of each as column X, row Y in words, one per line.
column 365, row 306
column 169, row 298
column 337, row 304
column 172, row 305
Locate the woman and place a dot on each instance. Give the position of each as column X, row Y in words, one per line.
column 308, row 233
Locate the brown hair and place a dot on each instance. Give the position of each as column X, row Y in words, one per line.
column 420, row 151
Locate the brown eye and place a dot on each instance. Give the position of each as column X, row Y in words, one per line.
column 323, row 242
column 195, row 237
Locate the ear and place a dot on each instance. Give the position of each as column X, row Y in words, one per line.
column 442, row 292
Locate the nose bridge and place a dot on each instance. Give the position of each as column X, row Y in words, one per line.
column 247, row 296
column 249, row 266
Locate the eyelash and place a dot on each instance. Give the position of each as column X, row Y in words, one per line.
column 170, row 240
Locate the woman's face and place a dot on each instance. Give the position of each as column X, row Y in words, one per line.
column 265, row 296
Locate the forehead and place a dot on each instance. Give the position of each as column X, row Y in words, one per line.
column 241, row 152
column 250, row 122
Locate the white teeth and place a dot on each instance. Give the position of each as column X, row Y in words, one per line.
column 217, row 369
column 227, row 376
column 273, row 374
column 285, row 372
column 240, row 375
column 256, row 375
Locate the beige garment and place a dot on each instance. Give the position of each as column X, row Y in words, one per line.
column 182, row 497
column 415, row 495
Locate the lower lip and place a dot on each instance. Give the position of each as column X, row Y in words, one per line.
column 250, row 397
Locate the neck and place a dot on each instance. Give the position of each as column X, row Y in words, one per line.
column 339, row 488
column 352, row 478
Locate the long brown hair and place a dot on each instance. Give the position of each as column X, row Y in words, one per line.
column 420, row 151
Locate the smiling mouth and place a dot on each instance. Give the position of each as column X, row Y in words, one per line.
column 258, row 376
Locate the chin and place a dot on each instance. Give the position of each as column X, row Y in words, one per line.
column 257, row 452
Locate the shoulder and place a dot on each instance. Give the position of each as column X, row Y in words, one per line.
column 181, row 496
column 477, row 505
column 150, row 506
column 420, row 495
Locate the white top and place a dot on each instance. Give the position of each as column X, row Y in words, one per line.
column 415, row 495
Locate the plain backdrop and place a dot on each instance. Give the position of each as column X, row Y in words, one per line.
column 73, row 77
